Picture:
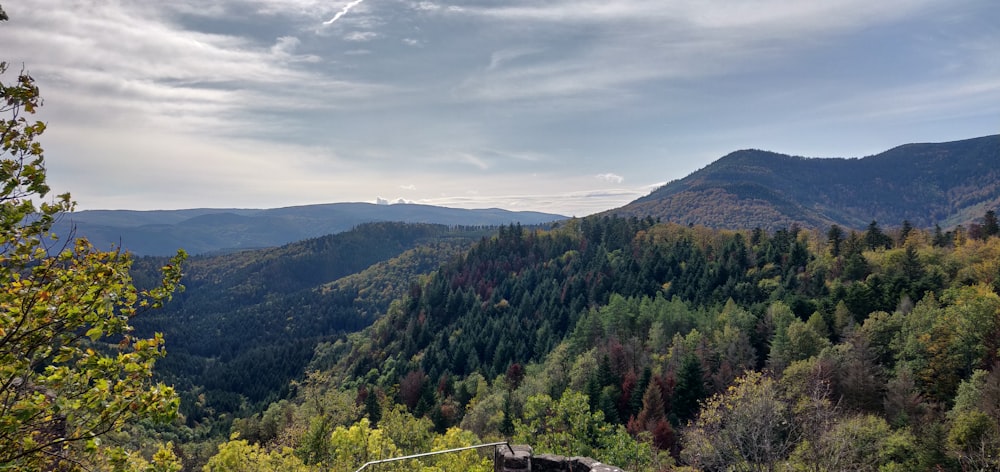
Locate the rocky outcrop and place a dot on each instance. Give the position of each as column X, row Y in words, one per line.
column 521, row 459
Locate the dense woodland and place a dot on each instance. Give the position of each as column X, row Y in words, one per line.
column 248, row 322
column 655, row 346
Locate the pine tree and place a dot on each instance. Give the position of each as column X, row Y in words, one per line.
column 990, row 225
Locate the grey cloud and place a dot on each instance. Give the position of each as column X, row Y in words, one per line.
column 523, row 101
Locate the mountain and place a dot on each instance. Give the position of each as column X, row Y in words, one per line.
column 205, row 230
column 939, row 183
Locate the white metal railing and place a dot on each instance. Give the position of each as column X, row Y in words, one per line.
column 425, row 454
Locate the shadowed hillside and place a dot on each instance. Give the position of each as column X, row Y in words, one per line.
column 248, row 321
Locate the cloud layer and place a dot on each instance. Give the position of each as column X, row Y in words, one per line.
column 572, row 106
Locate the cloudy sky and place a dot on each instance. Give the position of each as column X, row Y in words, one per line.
column 570, row 106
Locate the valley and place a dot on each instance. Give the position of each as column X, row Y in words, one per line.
column 615, row 337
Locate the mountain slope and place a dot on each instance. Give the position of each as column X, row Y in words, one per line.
column 200, row 231
column 942, row 183
column 248, row 322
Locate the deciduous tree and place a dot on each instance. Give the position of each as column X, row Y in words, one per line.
column 749, row 427
column 71, row 371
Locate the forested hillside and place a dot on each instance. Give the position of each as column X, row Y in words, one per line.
column 652, row 346
column 248, row 322
column 656, row 346
column 942, row 183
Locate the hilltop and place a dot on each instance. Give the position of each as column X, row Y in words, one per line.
column 926, row 184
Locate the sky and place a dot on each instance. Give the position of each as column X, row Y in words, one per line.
column 564, row 106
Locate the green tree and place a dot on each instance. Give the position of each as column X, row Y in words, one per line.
column 875, row 238
column 904, row 232
column 990, row 225
column 564, row 426
column 974, row 435
column 70, row 369
column 803, row 341
column 237, row 455
column 690, row 388
column 620, row 448
column 857, row 443
column 468, row 460
column 835, row 238
column 974, row 440
column 351, row 447
column 410, row 434
column 781, row 318
column 748, row 427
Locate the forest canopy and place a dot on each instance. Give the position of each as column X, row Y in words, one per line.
column 656, row 346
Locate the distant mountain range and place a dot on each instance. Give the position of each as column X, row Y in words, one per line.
column 926, row 184
column 941, row 183
column 208, row 230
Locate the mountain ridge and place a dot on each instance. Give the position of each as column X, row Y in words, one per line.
column 946, row 184
column 214, row 230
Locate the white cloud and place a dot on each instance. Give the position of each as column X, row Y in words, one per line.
column 408, row 187
column 498, row 58
column 360, row 36
column 426, row 6
column 381, row 201
column 285, row 46
column 612, row 178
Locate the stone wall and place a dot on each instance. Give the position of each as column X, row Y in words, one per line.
column 522, row 460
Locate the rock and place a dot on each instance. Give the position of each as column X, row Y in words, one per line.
column 582, row 464
column 522, row 460
column 549, row 463
column 519, row 461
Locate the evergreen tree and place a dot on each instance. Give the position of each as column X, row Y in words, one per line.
column 940, row 238
column 904, row 232
column 875, row 238
column 689, row 390
column 990, row 225
column 835, row 237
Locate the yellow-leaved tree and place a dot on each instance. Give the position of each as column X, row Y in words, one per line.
column 71, row 371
